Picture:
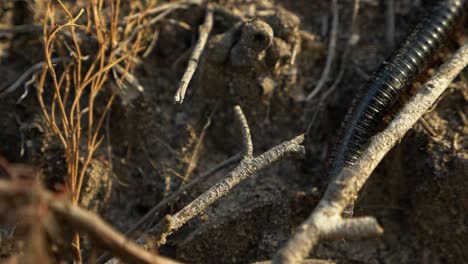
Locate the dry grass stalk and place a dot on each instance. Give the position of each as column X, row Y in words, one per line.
column 71, row 113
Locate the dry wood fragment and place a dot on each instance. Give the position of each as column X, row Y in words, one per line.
column 84, row 221
column 204, row 32
column 325, row 221
column 172, row 197
column 248, row 166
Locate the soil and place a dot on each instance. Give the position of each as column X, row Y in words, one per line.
column 418, row 193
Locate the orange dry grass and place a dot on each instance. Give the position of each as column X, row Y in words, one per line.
column 75, row 86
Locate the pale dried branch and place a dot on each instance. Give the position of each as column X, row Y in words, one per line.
column 157, row 235
column 247, row 152
column 164, row 7
column 331, row 53
column 26, row 75
column 86, row 222
column 345, row 187
column 172, row 197
column 204, row 32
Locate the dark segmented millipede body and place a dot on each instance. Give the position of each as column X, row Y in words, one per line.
column 391, row 79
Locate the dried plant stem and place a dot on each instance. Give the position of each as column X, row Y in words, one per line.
column 163, row 7
column 204, row 32
column 331, row 52
column 228, row 162
column 172, row 197
column 86, row 222
column 25, row 76
column 248, row 166
column 247, row 152
column 326, row 221
column 156, row 236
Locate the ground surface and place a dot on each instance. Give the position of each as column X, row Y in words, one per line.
column 418, row 193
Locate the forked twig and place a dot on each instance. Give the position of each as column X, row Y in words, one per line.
column 326, row 221
column 248, row 166
column 204, row 32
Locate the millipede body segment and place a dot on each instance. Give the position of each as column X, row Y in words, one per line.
column 392, row 78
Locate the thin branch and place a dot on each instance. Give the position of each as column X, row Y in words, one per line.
column 26, row 75
column 172, row 197
column 157, row 235
column 348, row 183
column 152, row 45
column 247, row 152
column 87, row 222
column 204, row 32
column 104, row 234
column 163, row 7
column 196, row 151
column 331, row 53
column 352, row 41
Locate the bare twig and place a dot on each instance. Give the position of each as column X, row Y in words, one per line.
column 326, row 221
column 152, row 45
column 172, row 197
column 228, row 162
column 204, row 32
column 247, row 152
column 331, row 53
column 163, row 7
column 104, row 234
column 87, row 222
column 344, row 60
column 26, row 75
column 196, row 151
column 157, row 235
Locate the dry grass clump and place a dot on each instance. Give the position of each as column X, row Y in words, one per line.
column 85, row 46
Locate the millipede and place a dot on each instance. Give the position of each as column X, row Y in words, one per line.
column 392, row 78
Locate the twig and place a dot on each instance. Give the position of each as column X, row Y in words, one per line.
column 326, row 221
column 331, row 53
column 87, row 222
column 157, row 235
column 344, row 60
column 196, row 151
column 228, row 162
column 26, row 75
column 163, row 7
column 204, row 32
column 152, row 45
column 247, row 152
column 151, row 213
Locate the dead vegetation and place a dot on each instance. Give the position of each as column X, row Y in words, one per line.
column 248, row 63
